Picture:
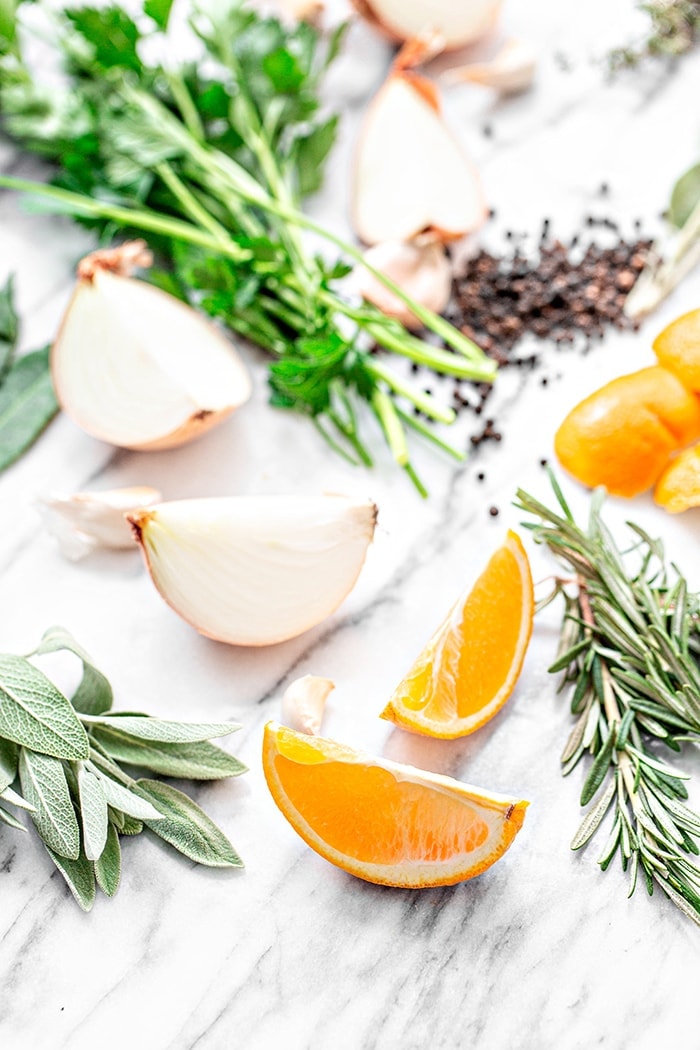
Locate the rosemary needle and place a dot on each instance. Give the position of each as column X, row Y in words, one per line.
column 629, row 647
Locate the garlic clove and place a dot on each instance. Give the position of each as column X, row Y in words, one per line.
column 136, row 367
column 304, row 703
column 88, row 520
column 460, row 22
column 255, row 570
column 411, row 176
column 511, row 71
column 422, row 270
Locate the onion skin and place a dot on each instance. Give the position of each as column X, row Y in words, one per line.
column 367, row 11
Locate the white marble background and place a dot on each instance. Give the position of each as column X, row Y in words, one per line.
column 542, row 950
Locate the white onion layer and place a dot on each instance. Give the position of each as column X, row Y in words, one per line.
column 137, row 368
column 255, row 570
column 411, row 175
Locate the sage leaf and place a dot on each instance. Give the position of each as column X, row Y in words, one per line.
column 93, row 813
column 35, row 714
column 9, row 761
column 193, row 761
column 145, row 728
column 132, row 826
column 9, row 324
column 16, row 800
column 11, row 820
column 108, row 867
column 79, row 874
column 27, row 404
column 44, row 785
column 685, row 197
column 187, row 827
column 126, row 801
column 94, row 694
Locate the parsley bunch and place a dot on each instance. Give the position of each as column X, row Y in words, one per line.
column 211, row 158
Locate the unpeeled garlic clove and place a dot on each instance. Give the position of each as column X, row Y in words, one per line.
column 255, row 570
column 511, row 71
column 304, row 703
column 136, row 367
column 89, row 520
column 422, row 270
column 411, row 176
column 460, row 22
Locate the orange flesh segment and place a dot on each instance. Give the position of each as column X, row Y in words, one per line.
column 402, row 829
column 469, row 668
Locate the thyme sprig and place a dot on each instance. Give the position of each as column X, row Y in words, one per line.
column 629, row 647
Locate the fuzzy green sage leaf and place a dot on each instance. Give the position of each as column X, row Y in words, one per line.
column 187, row 827
column 27, row 404
column 35, row 714
column 44, row 785
column 94, row 694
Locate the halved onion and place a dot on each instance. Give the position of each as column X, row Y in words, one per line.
column 459, row 22
column 255, row 570
column 411, row 176
column 136, row 367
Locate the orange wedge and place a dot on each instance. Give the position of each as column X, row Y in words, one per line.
column 384, row 822
column 470, row 666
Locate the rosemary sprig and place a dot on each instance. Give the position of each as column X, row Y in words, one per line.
column 629, row 645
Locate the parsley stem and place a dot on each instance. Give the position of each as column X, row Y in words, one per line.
column 424, row 402
column 140, row 218
column 391, row 425
column 189, row 202
column 430, row 435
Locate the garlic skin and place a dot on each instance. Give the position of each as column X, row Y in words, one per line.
column 510, row 72
column 304, row 703
column 422, row 270
column 411, row 176
column 459, row 22
column 86, row 521
column 255, row 570
column 136, row 367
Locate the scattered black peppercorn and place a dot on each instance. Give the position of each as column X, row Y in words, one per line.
column 493, row 511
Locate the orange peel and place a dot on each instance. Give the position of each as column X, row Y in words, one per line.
column 678, row 488
column 623, row 435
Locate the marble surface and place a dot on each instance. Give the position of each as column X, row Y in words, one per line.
column 542, row 950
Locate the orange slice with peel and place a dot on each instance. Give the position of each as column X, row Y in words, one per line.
column 678, row 488
column 470, row 666
column 383, row 822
